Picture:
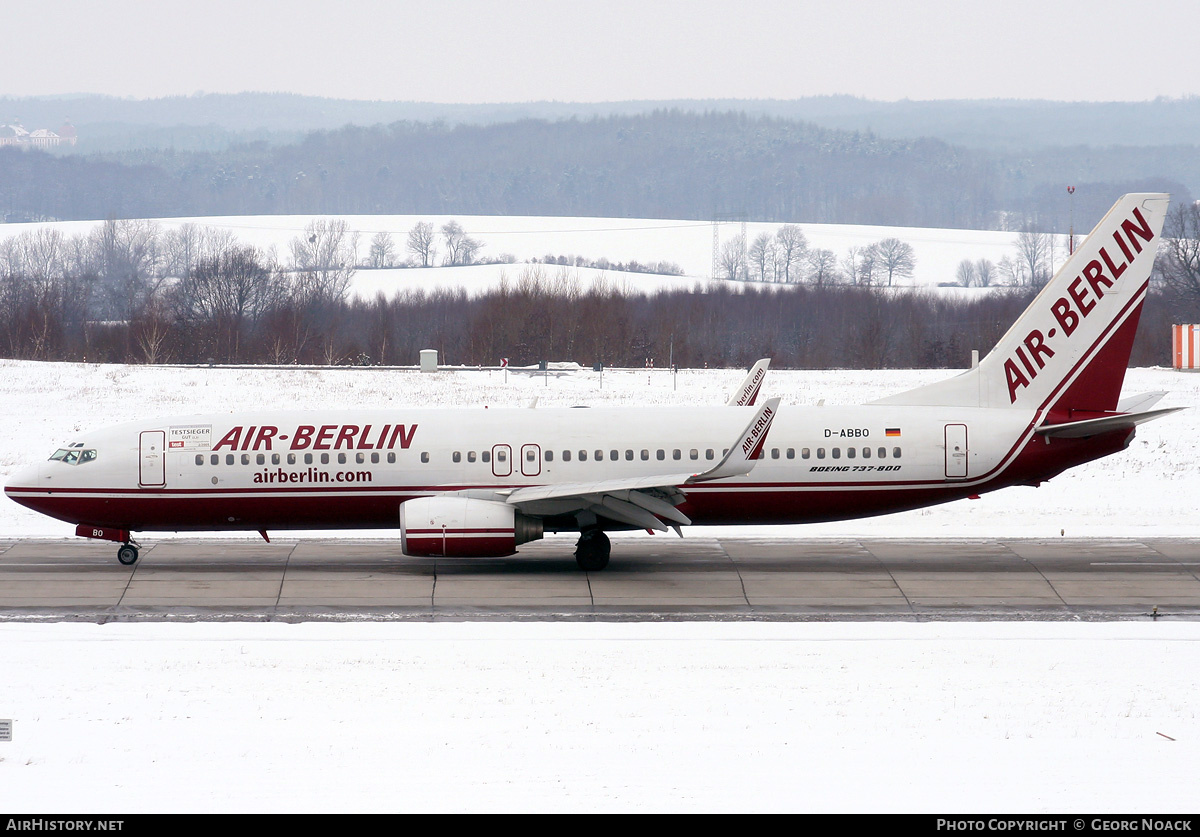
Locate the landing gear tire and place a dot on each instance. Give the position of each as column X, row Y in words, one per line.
column 591, row 553
column 128, row 554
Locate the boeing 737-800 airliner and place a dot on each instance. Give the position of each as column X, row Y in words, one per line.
column 476, row 482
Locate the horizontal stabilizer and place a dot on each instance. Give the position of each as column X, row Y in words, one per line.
column 1140, row 403
column 1105, row 424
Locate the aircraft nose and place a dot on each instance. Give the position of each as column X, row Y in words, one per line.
column 28, row 477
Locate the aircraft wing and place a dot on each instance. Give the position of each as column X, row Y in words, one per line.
column 641, row 501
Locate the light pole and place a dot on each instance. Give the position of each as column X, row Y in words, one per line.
column 1071, row 240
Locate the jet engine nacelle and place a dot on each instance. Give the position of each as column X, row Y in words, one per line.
column 463, row 527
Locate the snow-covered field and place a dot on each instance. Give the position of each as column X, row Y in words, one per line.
column 1001, row 718
column 686, row 243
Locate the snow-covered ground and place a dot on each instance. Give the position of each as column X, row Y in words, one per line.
column 951, row 718
column 1150, row 489
column 686, row 243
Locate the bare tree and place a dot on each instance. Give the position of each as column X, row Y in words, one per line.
column 383, row 250
column 896, row 258
column 966, row 274
column 460, row 247
column 733, row 259
column 224, row 294
column 793, row 248
column 324, row 259
column 822, row 267
column 762, row 255
column 1033, row 254
column 421, row 243
column 1177, row 265
column 862, row 264
column 1011, row 271
column 985, row 272
column 127, row 258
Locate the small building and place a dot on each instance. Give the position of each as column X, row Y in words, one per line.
column 1185, row 346
column 15, row 134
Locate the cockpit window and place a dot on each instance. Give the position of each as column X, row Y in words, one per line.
column 73, row 456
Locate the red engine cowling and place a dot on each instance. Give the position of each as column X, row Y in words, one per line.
column 464, row 528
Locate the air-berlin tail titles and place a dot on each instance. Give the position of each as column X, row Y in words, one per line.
column 1081, row 299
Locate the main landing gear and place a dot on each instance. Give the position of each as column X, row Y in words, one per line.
column 128, row 554
column 591, row 553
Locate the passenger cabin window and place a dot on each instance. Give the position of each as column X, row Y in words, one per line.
column 882, row 453
column 425, row 456
column 628, row 455
column 804, row 453
column 850, row 453
column 660, row 454
column 260, row 459
column 676, row 454
column 774, row 453
column 599, row 456
column 791, row 453
column 693, row 454
column 583, row 456
column 245, row 459
column 274, row 459
column 614, row 455
column 895, row 453
column 645, row 454
column 485, row 456
column 229, row 459
column 549, row 456
column 375, row 458
column 470, row 456
column 820, row 453
column 566, row 456
column 199, row 459
column 837, row 453
column 456, row 456
column 392, row 457
column 215, row 459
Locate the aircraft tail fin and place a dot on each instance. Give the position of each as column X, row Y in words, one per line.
column 1068, row 351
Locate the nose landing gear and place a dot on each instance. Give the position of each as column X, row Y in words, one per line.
column 128, row 553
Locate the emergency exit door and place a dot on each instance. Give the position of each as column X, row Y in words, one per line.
column 956, row 451
column 153, row 471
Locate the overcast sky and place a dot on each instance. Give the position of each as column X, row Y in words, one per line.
column 578, row 50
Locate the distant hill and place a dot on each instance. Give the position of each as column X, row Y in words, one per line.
column 997, row 124
column 255, row 156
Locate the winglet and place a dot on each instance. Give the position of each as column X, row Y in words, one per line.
column 747, row 393
column 740, row 458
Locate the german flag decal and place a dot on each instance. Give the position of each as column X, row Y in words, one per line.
column 892, row 431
